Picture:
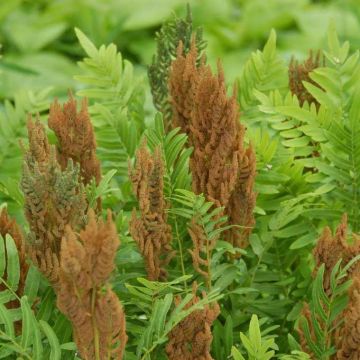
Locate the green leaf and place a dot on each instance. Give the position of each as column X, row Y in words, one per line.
column 13, row 267
column 254, row 332
column 27, row 323
column 86, row 44
column 236, row 354
column 32, row 284
column 55, row 350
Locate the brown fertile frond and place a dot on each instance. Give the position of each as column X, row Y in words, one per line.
column 217, row 137
column 201, row 245
column 221, row 168
column 84, row 295
column 151, row 231
column 9, row 226
column 300, row 72
column 100, row 241
column 39, row 148
column 53, row 199
column 242, row 202
column 349, row 336
column 330, row 249
column 75, row 134
column 182, row 85
column 191, row 338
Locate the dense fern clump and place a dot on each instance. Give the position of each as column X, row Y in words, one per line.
column 237, row 210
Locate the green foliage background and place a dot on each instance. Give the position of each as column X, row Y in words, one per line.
column 40, row 48
column 262, row 293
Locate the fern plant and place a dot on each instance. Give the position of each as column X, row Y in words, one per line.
column 319, row 325
column 328, row 132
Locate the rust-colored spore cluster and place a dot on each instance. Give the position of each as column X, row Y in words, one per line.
column 182, row 86
column 151, row 231
column 75, row 135
column 53, row 199
column 330, row 249
column 300, row 72
column 348, row 340
column 10, row 227
column 191, row 338
column 221, row 168
column 242, row 201
column 84, row 295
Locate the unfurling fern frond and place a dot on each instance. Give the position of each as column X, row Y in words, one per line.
column 168, row 39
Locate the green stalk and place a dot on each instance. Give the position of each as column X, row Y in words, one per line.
column 180, row 250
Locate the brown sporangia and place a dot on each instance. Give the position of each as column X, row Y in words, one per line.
column 242, row 201
column 328, row 251
column 150, row 230
column 76, row 139
column 191, row 338
column 348, row 340
column 222, row 169
column 54, row 198
column 182, row 86
column 84, row 294
column 331, row 248
column 300, row 72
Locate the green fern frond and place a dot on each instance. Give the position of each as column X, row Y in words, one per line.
column 264, row 71
column 195, row 206
column 117, row 103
